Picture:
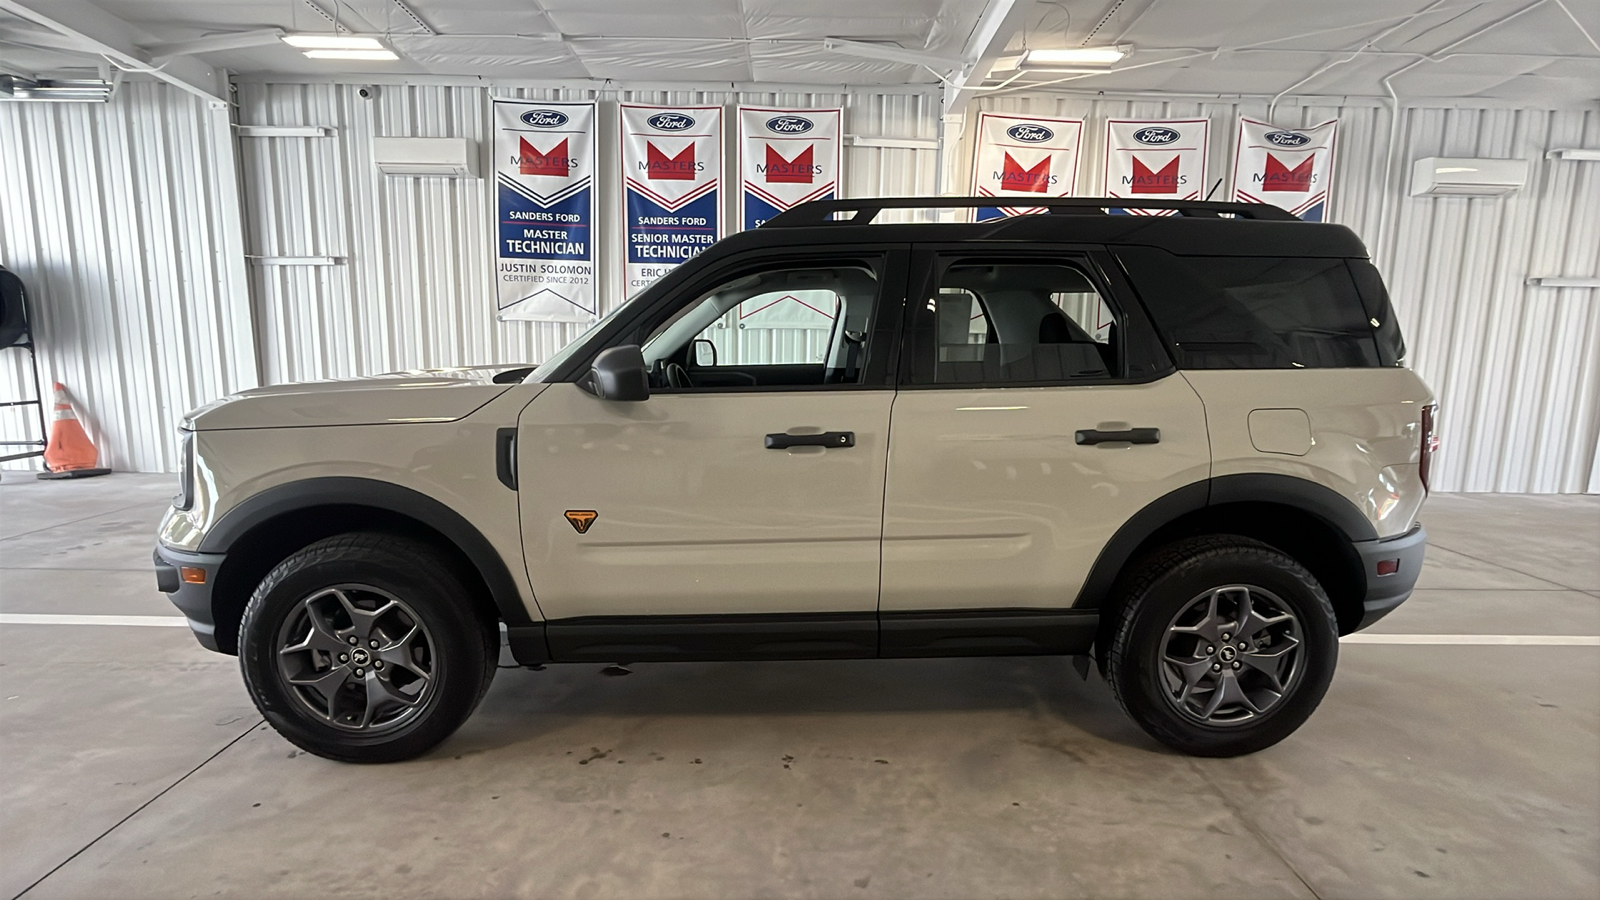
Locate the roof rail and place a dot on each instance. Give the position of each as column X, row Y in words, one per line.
column 862, row 212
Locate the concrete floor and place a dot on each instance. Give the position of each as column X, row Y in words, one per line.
column 133, row 764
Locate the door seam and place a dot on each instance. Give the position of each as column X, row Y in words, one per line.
column 883, row 517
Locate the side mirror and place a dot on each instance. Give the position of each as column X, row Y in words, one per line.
column 618, row 374
column 703, row 353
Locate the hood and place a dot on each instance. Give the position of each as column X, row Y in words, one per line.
column 430, row 395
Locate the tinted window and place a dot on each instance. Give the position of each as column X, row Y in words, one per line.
column 1375, row 299
column 1015, row 322
column 1251, row 312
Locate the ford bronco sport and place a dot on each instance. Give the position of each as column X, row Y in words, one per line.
column 1183, row 443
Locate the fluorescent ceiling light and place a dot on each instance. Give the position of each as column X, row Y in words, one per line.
column 1078, row 56
column 331, row 42
column 351, row 54
column 60, row 90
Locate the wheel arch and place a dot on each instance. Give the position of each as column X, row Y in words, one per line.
column 1309, row 522
column 265, row 529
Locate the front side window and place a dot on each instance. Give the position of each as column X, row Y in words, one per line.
column 996, row 322
column 794, row 325
column 776, row 328
column 1254, row 312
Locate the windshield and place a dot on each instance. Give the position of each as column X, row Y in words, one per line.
column 561, row 356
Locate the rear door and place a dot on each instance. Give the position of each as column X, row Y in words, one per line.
column 1036, row 414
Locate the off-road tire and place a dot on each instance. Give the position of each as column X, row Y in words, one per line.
column 466, row 645
column 1170, row 578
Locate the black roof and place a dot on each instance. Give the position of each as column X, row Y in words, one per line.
column 1198, row 229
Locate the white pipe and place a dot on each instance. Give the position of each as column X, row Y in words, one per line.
column 1592, row 42
column 1272, row 107
column 1384, row 218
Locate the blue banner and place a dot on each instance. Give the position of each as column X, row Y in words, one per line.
column 671, row 187
column 544, row 175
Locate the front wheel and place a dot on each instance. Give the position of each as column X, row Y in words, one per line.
column 1222, row 646
column 365, row 648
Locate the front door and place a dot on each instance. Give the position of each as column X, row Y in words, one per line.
column 1033, row 420
column 738, row 510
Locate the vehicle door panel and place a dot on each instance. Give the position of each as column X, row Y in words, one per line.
column 991, row 501
column 696, row 515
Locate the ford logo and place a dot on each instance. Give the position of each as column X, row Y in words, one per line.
column 544, row 118
column 1287, row 139
column 1030, row 134
column 1155, row 135
column 670, row 122
column 789, row 124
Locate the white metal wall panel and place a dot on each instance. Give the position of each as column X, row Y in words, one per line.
column 414, row 289
column 114, row 215
column 1516, row 368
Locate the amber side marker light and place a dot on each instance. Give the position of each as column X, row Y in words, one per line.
column 1388, row 566
column 192, row 574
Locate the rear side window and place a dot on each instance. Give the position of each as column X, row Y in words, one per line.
column 1254, row 312
column 1015, row 321
column 1380, row 315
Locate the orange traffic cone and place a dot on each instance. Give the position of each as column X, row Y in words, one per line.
column 70, row 453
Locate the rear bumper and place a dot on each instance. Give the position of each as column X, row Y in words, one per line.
column 1386, row 592
column 191, row 599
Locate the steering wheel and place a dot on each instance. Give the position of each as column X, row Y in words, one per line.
column 678, row 376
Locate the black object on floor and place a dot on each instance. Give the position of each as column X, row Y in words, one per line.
column 72, row 473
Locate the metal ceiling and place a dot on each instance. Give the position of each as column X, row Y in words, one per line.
column 1540, row 52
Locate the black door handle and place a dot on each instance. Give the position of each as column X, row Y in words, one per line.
column 825, row 439
column 1131, row 436
column 505, row 457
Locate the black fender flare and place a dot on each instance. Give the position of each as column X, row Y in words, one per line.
column 349, row 491
column 1321, row 502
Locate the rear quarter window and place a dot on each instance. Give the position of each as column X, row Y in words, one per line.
column 1254, row 312
column 1380, row 315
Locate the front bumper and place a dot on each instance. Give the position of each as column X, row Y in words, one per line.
column 191, row 598
column 1386, row 592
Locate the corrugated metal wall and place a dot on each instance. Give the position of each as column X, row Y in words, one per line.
column 116, row 215
column 415, row 289
column 1516, row 368
column 113, row 215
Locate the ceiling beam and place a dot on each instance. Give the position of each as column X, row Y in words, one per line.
column 39, row 38
column 214, row 43
column 1000, row 21
column 98, row 32
column 889, row 53
column 426, row 28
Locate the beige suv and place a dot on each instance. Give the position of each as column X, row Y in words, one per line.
column 1184, row 443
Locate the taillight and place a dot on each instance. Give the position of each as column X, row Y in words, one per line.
column 185, row 498
column 1430, row 440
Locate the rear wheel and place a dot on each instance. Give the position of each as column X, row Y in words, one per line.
column 365, row 648
column 1221, row 646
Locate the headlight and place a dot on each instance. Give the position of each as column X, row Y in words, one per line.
column 185, row 498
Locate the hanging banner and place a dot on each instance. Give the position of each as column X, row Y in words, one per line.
column 786, row 157
column 1018, row 156
column 671, row 187
column 1287, row 167
column 544, row 185
column 1156, row 160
